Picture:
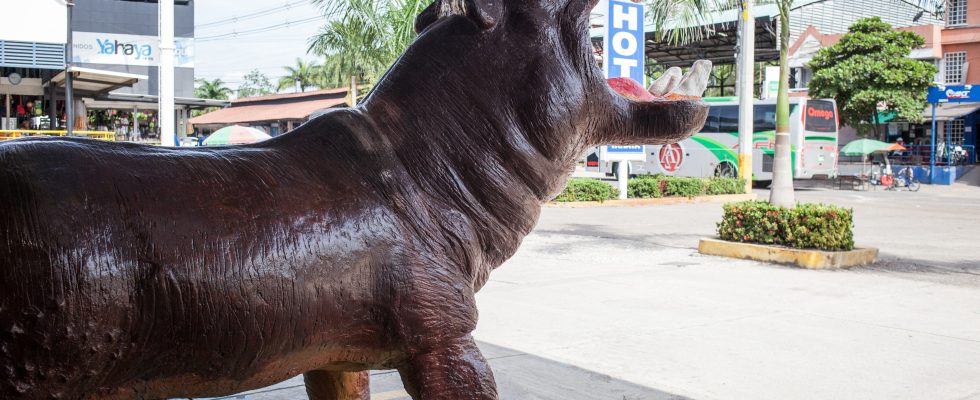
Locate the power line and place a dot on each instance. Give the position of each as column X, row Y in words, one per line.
column 253, row 15
column 256, row 30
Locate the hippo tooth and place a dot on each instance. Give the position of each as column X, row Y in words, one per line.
column 667, row 82
column 696, row 80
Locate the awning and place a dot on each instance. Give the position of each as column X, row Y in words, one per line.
column 129, row 101
column 237, row 114
column 97, row 81
column 950, row 111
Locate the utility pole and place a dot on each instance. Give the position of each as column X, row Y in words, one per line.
column 746, row 93
column 69, row 90
column 168, row 130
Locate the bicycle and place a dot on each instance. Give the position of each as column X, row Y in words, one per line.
column 905, row 178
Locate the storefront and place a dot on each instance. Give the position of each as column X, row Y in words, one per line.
column 115, row 52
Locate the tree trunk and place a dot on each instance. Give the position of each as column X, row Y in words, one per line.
column 782, row 171
column 353, row 90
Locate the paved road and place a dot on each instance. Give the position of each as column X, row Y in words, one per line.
column 615, row 303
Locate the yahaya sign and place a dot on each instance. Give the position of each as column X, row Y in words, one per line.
column 120, row 49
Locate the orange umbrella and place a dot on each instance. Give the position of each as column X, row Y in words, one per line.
column 894, row 147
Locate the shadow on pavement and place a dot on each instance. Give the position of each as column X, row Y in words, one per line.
column 520, row 376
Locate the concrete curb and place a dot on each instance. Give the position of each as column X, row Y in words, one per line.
column 725, row 198
column 810, row 259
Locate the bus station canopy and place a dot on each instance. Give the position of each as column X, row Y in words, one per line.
column 718, row 44
column 96, row 81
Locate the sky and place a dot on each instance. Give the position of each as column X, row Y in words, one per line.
column 221, row 53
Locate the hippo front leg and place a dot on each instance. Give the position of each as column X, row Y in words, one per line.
column 337, row 385
column 455, row 371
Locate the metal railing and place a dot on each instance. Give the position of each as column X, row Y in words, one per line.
column 945, row 155
column 19, row 133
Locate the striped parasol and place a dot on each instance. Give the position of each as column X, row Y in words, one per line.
column 235, row 134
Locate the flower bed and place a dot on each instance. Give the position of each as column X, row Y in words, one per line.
column 807, row 226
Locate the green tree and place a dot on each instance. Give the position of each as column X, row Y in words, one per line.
column 211, row 89
column 363, row 38
column 255, row 83
column 869, row 70
column 304, row 74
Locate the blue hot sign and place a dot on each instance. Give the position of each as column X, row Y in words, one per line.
column 624, row 48
column 954, row 94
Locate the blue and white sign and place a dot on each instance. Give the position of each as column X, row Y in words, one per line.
column 625, row 149
column 132, row 50
column 622, row 153
column 954, row 94
column 624, row 49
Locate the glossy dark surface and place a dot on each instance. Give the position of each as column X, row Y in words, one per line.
column 355, row 242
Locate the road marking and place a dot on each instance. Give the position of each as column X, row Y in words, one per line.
column 392, row 395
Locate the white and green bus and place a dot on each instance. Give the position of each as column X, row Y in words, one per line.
column 714, row 150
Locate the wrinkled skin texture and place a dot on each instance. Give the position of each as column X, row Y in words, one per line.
column 355, row 242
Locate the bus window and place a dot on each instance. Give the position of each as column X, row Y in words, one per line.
column 728, row 119
column 765, row 118
column 711, row 124
column 821, row 116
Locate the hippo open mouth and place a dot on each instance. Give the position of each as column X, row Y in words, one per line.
column 672, row 85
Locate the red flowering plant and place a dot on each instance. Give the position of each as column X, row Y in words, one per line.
column 808, row 226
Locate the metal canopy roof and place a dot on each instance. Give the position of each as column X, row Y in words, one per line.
column 719, row 43
column 126, row 101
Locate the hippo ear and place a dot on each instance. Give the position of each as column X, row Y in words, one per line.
column 485, row 13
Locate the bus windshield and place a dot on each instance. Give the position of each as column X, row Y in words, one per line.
column 820, row 116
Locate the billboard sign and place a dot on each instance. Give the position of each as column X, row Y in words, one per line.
column 132, row 50
column 624, row 58
column 624, row 44
column 954, row 94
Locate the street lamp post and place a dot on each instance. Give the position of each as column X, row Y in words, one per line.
column 168, row 131
column 69, row 95
column 746, row 71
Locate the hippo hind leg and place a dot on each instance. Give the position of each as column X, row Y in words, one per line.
column 337, row 385
column 456, row 371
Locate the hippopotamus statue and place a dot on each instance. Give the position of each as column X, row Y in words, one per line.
column 355, row 242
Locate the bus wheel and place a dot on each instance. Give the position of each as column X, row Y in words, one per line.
column 725, row 170
column 761, row 184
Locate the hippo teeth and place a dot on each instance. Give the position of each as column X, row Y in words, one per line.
column 696, row 80
column 666, row 82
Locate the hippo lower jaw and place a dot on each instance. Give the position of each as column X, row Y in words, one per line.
column 671, row 86
column 669, row 111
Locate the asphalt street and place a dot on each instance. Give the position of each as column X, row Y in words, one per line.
column 615, row 303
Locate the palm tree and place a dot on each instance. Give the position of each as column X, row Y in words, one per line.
column 213, row 89
column 363, row 38
column 781, row 193
column 303, row 74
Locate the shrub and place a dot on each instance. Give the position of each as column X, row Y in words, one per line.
column 718, row 186
column 685, row 187
column 584, row 189
column 807, row 226
column 645, row 188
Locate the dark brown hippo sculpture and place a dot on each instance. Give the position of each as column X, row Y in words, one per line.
column 355, row 242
